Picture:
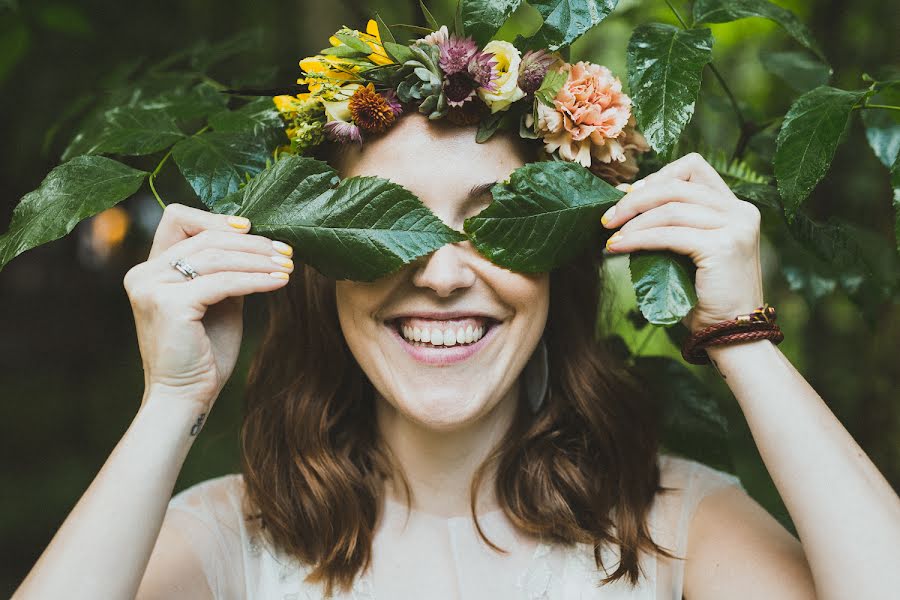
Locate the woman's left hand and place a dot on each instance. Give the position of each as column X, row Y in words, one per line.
column 687, row 208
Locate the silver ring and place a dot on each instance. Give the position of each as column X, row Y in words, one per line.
column 185, row 269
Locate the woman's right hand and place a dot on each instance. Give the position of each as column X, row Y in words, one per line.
column 189, row 330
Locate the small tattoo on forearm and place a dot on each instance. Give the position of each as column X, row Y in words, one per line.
column 198, row 425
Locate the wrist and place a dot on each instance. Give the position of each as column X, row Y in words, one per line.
column 183, row 416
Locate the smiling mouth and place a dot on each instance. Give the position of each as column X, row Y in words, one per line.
column 439, row 334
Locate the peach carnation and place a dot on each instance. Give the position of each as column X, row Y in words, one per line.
column 588, row 118
column 616, row 172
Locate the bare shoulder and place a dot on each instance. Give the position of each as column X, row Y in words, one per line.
column 736, row 549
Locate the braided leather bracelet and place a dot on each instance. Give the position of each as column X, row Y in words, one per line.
column 758, row 325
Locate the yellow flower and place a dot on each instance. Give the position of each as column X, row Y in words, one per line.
column 286, row 105
column 506, row 90
column 323, row 73
column 373, row 38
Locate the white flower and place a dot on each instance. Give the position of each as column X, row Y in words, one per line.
column 507, row 88
column 436, row 37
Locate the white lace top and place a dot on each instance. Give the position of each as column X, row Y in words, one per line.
column 439, row 557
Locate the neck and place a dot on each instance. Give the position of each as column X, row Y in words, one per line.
column 440, row 466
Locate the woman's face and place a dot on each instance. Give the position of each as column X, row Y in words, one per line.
column 476, row 323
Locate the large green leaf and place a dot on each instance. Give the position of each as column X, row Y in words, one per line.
column 542, row 217
column 482, row 18
column 664, row 285
column 70, row 193
column 724, row 11
column 809, row 136
column 215, row 163
column 566, row 20
column 690, row 419
column 664, row 68
column 135, row 132
column 256, row 117
column 364, row 228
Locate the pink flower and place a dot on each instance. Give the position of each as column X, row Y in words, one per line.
column 342, row 132
column 456, row 53
column 589, row 117
column 616, row 172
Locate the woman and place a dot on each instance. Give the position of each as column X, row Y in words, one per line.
column 351, row 421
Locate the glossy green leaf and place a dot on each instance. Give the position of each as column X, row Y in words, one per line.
column 197, row 102
column 724, row 11
column 798, row 69
column 70, row 193
column 482, row 18
column 429, row 18
column 567, row 20
column 664, row 285
column 215, row 163
column 664, row 68
column 362, row 229
column 544, row 215
column 806, row 143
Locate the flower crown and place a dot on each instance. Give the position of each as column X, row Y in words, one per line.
column 361, row 84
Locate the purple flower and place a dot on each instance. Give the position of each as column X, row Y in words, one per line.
column 482, row 69
column 533, row 68
column 459, row 88
column 343, row 132
column 390, row 96
column 456, row 53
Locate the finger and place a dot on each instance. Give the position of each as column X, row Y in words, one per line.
column 643, row 198
column 676, row 213
column 180, row 222
column 225, row 240
column 694, row 168
column 214, row 260
column 207, row 290
column 683, row 240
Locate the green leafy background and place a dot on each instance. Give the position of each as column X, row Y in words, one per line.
column 80, row 81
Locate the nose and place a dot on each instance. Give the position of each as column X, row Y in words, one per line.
column 444, row 271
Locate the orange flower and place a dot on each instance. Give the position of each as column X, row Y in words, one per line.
column 370, row 110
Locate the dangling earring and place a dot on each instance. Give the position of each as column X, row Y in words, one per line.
column 536, row 376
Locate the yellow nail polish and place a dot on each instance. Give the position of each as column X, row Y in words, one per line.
column 615, row 238
column 279, row 275
column 608, row 215
column 239, row 222
column 628, row 188
column 284, row 262
column 283, row 248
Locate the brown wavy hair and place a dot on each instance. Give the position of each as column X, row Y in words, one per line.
column 581, row 467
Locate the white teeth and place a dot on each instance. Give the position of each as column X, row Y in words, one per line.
column 443, row 337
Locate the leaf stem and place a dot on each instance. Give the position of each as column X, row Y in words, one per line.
column 884, row 106
column 162, row 162
column 650, row 334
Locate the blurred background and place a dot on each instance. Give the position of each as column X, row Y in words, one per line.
column 70, row 371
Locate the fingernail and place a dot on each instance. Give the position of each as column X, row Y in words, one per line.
column 280, row 275
column 283, row 248
column 608, row 215
column 284, row 262
column 239, row 222
column 614, row 239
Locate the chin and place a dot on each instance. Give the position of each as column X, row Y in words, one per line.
column 444, row 409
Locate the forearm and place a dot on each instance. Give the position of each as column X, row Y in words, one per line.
column 846, row 514
column 103, row 547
